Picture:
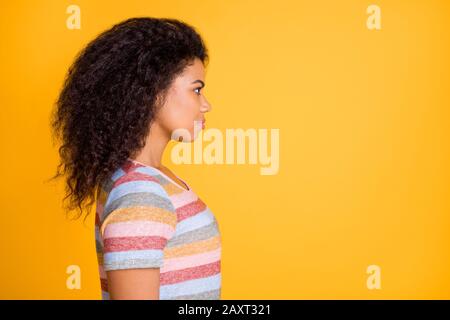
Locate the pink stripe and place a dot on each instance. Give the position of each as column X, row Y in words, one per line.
column 134, row 176
column 190, row 209
column 134, row 243
column 183, row 198
column 202, row 271
column 190, row 261
column 138, row 228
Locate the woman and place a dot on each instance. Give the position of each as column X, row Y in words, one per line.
column 129, row 92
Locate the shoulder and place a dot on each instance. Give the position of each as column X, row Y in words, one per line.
column 137, row 193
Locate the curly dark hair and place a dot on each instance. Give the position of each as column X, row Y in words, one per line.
column 110, row 96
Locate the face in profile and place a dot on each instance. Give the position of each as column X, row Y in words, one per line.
column 183, row 114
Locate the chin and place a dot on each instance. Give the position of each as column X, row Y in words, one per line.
column 184, row 136
column 187, row 133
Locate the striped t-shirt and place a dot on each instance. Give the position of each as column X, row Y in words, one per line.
column 144, row 219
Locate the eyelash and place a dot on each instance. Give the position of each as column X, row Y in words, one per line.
column 198, row 89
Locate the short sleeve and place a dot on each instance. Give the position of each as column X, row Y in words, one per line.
column 138, row 221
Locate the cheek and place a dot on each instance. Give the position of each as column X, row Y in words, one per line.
column 181, row 113
column 185, row 111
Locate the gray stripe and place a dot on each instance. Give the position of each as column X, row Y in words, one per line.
column 133, row 263
column 165, row 181
column 208, row 295
column 97, row 234
column 162, row 179
column 98, row 246
column 139, row 199
column 202, row 233
column 107, row 185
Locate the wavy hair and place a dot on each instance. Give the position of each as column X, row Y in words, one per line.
column 110, row 96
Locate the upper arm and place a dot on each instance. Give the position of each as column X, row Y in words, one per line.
column 133, row 284
column 138, row 221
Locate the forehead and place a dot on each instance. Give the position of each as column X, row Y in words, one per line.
column 194, row 71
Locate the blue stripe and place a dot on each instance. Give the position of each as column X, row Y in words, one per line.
column 134, row 187
column 190, row 287
column 148, row 170
column 117, row 174
column 105, row 295
column 130, row 258
column 197, row 221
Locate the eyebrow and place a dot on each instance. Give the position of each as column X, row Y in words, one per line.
column 199, row 81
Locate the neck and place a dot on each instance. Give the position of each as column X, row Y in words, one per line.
column 151, row 154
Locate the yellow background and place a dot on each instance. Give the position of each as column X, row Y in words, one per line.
column 364, row 146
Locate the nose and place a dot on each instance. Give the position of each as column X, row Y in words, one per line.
column 206, row 107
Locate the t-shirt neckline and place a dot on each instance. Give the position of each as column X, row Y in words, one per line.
column 164, row 175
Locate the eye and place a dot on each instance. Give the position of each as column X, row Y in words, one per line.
column 199, row 88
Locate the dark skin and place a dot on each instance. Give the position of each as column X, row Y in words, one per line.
column 185, row 104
